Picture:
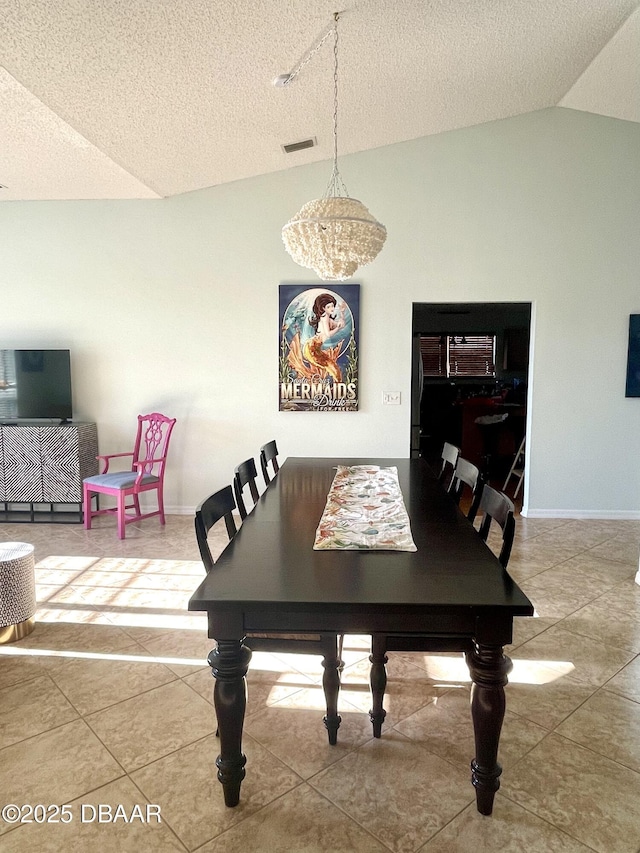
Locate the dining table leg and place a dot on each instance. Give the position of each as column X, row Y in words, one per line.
column 331, row 686
column 378, row 682
column 229, row 662
column 489, row 668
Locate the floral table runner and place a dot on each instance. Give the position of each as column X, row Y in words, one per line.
column 365, row 510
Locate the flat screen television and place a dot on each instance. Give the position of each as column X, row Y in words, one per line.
column 35, row 384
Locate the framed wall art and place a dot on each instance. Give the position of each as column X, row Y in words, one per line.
column 319, row 342
column 632, row 388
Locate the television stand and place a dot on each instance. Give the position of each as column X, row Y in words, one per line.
column 15, row 512
column 44, row 466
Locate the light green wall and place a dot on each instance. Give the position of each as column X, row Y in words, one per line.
column 172, row 304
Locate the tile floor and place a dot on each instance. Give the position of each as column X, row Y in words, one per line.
column 109, row 701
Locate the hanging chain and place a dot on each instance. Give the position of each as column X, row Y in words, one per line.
column 336, row 186
column 308, row 56
column 335, row 93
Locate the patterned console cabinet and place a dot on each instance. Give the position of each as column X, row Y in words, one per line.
column 46, row 464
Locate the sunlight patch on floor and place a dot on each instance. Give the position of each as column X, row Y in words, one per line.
column 65, row 653
column 454, row 670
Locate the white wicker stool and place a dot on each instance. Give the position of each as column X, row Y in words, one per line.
column 17, row 591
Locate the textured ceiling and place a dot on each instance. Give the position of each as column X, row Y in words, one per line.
column 151, row 98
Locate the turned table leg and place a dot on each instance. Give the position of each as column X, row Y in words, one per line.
column 378, row 681
column 489, row 668
column 331, row 687
column 229, row 663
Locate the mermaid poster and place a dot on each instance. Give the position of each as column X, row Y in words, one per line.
column 319, row 329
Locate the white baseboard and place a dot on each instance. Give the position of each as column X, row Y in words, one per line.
column 594, row 514
column 179, row 510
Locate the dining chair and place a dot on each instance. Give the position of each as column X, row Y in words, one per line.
column 245, row 475
column 467, row 474
column 269, row 453
column 216, row 507
column 449, row 457
column 494, row 506
column 145, row 474
column 221, row 505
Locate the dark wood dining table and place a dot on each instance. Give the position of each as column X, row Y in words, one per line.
column 269, row 578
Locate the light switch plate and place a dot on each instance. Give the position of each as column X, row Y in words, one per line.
column 391, row 398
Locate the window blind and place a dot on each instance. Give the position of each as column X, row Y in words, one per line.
column 434, row 355
column 458, row 355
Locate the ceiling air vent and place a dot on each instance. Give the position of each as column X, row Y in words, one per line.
column 299, row 146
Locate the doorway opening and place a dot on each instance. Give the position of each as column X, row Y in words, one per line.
column 469, row 383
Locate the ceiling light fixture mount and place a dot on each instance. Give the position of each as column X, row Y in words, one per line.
column 335, row 234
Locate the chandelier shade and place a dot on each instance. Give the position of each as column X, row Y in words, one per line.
column 333, row 236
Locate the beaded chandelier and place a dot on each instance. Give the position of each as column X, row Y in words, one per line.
column 335, row 234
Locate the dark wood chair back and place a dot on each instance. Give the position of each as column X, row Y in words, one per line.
column 449, row 457
column 496, row 506
column 245, row 475
column 214, row 508
column 269, row 454
column 467, row 474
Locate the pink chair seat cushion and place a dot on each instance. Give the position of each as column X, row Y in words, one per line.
column 120, row 480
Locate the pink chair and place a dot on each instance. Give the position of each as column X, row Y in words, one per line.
column 146, row 474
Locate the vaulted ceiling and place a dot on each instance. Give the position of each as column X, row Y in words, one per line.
column 152, row 98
